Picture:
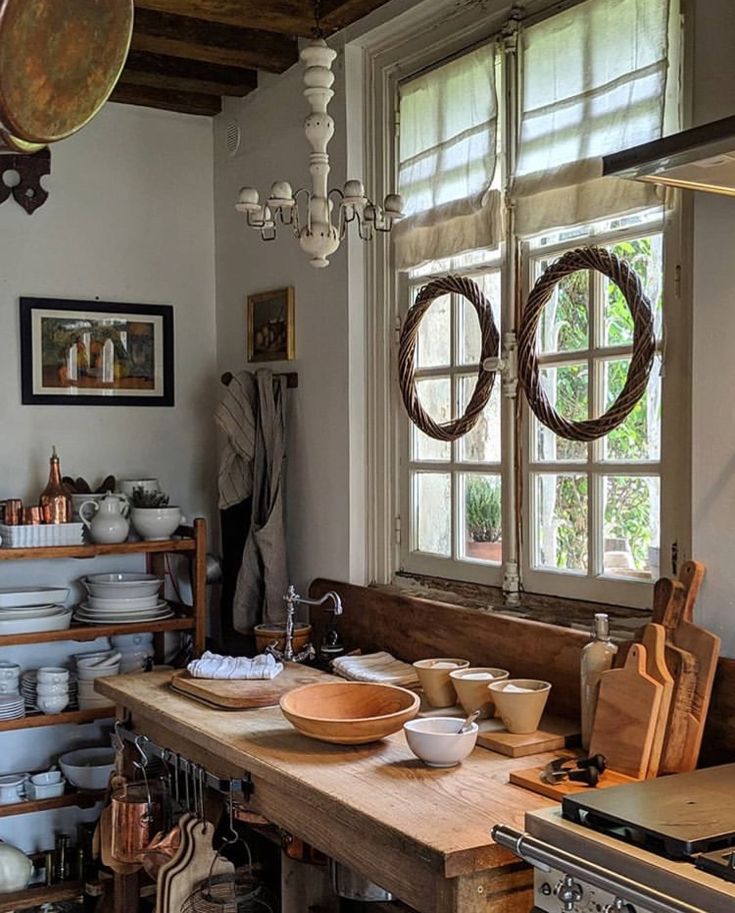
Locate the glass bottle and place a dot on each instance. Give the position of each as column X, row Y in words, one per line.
column 597, row 657
column 55, row 499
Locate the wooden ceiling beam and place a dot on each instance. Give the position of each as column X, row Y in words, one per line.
column 212, row 42
column 153, row 70
column 337, row 14
column 166, row 100
column 286, row 17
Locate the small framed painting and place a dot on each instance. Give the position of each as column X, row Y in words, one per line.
column 96, row 353
column 271, row 326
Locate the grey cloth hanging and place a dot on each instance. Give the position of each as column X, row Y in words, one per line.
column 263, row 577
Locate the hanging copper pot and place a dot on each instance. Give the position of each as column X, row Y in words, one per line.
column 137, row 814
column 59, row 62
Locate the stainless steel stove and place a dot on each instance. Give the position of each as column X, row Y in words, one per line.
column 659, row 846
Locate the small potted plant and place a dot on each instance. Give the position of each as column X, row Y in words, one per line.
column 483, row 520
column 152, row 517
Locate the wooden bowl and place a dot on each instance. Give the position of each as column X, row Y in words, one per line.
column 349, row 713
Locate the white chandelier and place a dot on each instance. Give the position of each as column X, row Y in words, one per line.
column 313, row 225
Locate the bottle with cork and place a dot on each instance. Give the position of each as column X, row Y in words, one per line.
column 55, row 499
column 597, row 657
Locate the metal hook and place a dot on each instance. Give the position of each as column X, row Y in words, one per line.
column 139, row 741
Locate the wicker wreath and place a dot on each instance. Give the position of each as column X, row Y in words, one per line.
column 447, row 431
column 644, row 343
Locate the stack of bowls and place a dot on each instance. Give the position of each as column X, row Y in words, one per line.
column 52, row 689
column 122, row 599
column 29, row 686
column 91, row 667
column 9, row 677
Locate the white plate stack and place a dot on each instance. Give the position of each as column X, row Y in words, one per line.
column 12, row 707
column 26, row 610
column 122, row 599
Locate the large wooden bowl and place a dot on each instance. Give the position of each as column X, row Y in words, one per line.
column 349, row 713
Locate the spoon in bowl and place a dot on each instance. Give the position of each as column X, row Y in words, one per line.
column 467, row 725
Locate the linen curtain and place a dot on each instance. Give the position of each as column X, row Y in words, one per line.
column 595, row 80
column 447, row 153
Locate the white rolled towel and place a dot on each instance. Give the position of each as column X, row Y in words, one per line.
column 212, row 665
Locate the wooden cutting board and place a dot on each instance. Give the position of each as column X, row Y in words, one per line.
column 704, row 646
column 626, row 716
column 654, row 640
column 554, row 733
column 530, row 778
column 203, row 862
column 245, row 695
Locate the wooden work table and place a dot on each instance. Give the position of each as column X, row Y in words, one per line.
column 422, row 834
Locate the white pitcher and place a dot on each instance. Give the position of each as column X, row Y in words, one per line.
column 109, row 522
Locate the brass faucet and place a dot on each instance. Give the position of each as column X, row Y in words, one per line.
column 292, row 599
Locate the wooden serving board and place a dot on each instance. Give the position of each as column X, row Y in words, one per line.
column 626, row 716
column 654, row 640
column 245, row 695
column 554, row 733
column 530, row 778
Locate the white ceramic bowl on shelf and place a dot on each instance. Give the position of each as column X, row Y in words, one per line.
column 57, row 621
column 155, row 523
column 88, row 768
column 126, row 585
column 123, row 603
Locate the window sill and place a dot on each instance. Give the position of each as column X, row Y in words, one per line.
column 566, row 613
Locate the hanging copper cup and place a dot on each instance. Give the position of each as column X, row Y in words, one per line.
column 137, row 814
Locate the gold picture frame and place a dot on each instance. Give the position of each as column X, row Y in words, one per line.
column 271, row 326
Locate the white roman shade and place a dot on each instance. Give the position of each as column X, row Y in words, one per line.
column 447, row 153
column 595, row 80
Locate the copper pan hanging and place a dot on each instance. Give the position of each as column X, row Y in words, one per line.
column 59, row 62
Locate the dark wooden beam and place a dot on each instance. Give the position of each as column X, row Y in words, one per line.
column 159, row 71
column 212, row 42
column 337, row 14
column 185, row 102
column 287, row 17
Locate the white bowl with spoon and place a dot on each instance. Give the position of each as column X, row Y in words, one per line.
column 441, row 741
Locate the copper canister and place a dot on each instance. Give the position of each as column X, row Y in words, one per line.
column 55, row 500
column 32, row 516
column 12, row 514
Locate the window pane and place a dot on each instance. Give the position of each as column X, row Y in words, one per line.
column 632, row 530
column 434, row 345
column 469, row 336
column 645, row 256
column 481, row 521
column 564, row 325
column 639, row 437
column 436, row 398
column 482, row 444
column 567, row 390
column 432, row 494
column 561, row 521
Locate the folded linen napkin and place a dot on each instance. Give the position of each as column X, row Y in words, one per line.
column 376, row 667
column 212, row 665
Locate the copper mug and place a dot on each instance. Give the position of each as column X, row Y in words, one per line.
column 32, row 516
column 137, row 814
column 12, row 511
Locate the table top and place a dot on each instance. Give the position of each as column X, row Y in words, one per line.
column 443, row 815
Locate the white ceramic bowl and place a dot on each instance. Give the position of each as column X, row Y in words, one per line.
column 52, row 688
column 437, row 741
column 127, row 585
column 88, row 768
column 52, row 703
column 52, row 675
column 122, row 603
column 8, row 669
column 155, row 523
column 97, row 660
column 58, row 621
column 45, row 777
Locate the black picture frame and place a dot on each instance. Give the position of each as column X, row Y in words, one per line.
column 31, row 349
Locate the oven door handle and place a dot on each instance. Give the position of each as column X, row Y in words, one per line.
column 543, row 855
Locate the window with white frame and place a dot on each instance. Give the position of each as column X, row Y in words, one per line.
column 499, row 159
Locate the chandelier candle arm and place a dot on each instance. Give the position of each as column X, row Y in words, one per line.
column 316, row 233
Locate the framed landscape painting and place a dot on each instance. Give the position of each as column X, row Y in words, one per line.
column 88, row 353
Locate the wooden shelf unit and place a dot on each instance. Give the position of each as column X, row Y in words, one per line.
column 39, row 720
column 35, row 896
column 75, row 798
column 193, row 542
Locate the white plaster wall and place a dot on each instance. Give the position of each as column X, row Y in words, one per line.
column 319, row 462
column 713, row 379
column 129, row 218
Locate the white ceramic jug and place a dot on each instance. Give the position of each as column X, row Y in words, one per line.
column 108, row 523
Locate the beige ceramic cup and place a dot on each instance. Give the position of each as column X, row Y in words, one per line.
column 520, row 710
column 471, row 685
column 434, row 679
